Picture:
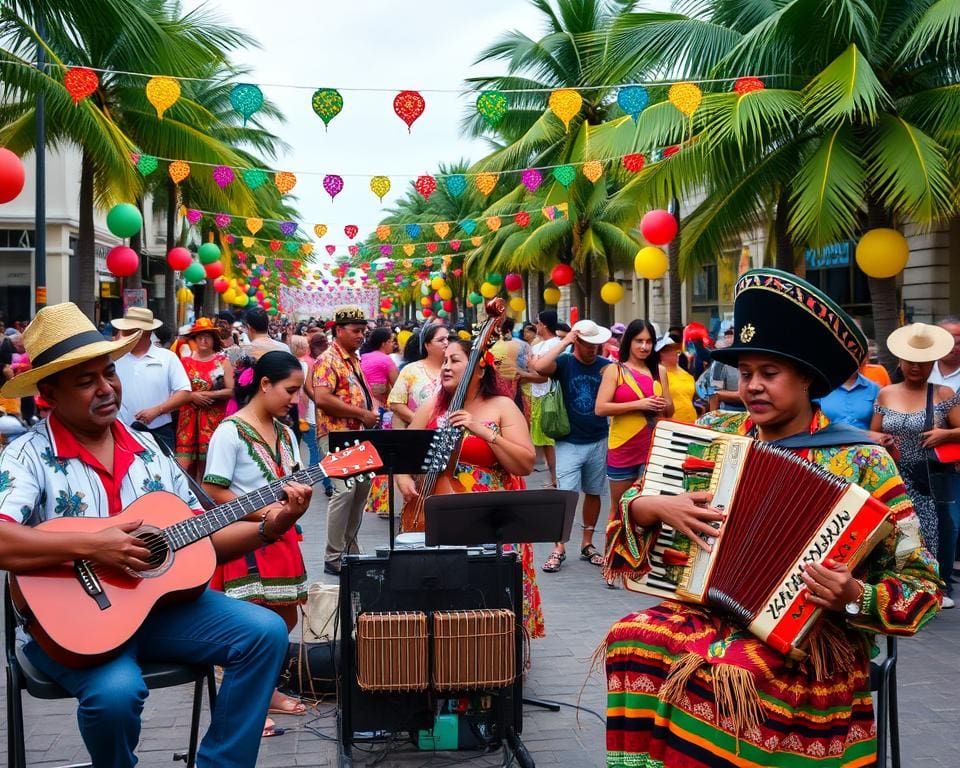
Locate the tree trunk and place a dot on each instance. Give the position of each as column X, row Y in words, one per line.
column 86, row 288
column 169, row 276
column 785, row 259
column 537, row 302
column 673, row 265
column 883, row 294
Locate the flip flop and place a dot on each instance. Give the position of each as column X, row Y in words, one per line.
column 290, row 706
column 269, row 729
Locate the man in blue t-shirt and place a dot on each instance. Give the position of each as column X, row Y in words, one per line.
column 582, row 454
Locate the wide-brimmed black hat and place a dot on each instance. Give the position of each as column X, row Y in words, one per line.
column 781, row 314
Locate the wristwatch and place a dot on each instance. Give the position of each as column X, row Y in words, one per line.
column 855, row 607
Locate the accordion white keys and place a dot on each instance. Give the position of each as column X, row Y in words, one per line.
column 783, row 513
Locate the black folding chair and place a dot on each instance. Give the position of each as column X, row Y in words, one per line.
column 24, row 676
column 883, row 682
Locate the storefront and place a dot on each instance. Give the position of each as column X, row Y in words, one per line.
column 833, row 269
column 16, row 272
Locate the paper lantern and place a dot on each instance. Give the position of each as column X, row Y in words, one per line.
column 221, row 286
column 651, row 263
column 745, row 85
column 456, row 184
column 12, row 175
column 286, row 181
column 685, row 97
column 223, row 176
column 179, row 258
column 351, row 230
column 178, row 170
column 320, row 229
column 565, row 103
column 611, row 293
column 486, row 181
column 513, row 282
column 327, row 103
column 489, row 290
column 124, row 220
column 531, row 178
column 562, row 274
column 380, row 186
column 517, row 304
column 593, row 170
column 247, row 99
column 254, row 178
column 633, row 163
column 658, row 227
column 163, row 93
column 565, row 175
column 633, row 99
column 441, row 228
column 208, row 253
column 551, row 296
column 80, row 82
column 333, row 184
column 492, row 106
column 408, row 105
column 882, row 253
column 426, row 186
column 213, row 270
column 122, row 261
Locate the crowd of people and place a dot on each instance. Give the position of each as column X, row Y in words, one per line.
column 229, row 404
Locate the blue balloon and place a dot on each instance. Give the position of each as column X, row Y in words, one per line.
column 469, row 226
column 413, row 230
column 633, row 99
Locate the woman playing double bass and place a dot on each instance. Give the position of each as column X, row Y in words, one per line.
column 496, row 452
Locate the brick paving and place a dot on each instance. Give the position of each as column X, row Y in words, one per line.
column 579, row 609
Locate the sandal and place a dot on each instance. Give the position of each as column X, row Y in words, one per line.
column 269, row 729
column 554, row 561
column 592, row 555
column 287, row 706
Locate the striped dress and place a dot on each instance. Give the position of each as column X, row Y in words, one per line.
column 687, row 688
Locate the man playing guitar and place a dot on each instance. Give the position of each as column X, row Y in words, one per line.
column 82, row 462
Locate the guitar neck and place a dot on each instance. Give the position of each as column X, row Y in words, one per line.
column 193, row 529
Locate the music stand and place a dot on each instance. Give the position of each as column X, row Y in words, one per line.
column 527, row 517
column 403, row 452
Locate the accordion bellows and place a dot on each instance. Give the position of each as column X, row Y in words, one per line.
column 471, row 650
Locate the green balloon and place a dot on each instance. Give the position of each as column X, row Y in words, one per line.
column 252, row 290
column 124, row 220
column 209, row 253
column 194, row 273
column 442, row 313
column 475, row 298
column 273, row 311
column 495, row 278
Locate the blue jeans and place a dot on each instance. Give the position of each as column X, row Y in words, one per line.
column 310, row 438
column 248, row 641
column 948, row 519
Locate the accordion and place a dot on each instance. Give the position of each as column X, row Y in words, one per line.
column 782, row 513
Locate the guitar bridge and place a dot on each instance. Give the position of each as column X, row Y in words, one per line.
column 90, row 583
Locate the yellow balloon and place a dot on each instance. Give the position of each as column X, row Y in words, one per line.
column 425, row 301
column 651, row 263
column 882, row 252
column 685, row 97
column 518, row 304
column 436, row 283
column 445, row 293
column 611, row 292
column 229, row 295
column 163, row 93
column 551, row 295
column 488, row 290
column 565, row 103
column 241, row 300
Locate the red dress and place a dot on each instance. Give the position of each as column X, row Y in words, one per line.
column 195, row 424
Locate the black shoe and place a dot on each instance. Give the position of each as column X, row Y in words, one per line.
column 333, row 570
column 329, row 491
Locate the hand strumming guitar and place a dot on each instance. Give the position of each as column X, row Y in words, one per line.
column 115, row 547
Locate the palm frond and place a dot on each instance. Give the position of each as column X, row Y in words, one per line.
column 847, row 90
column 936, row 33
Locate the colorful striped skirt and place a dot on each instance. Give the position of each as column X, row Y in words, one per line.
column 690, row 690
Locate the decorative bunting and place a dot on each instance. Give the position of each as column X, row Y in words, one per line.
column 146, row 164
column 386, row 249
column 320, row 230
column 565, row 103
column 353, row 250
column 286, row 181
column 441, row 228
column 486, row 181
column 254, row 178
column 80, row 82
column 288, row 227
column 670, row 151
column 254, row 225
column 565, row 175
column 492, row 106
column 413, row 230
column 222, row 220
column 468, row 226
column 331, row 249
column 333, row 184
column 593, row 170
column 223, row 176
column 522, row 219
column 327, row 103
column 247, row 242
column 380, row 186
column 162, row 93
column 685, row 97
column 476, row 240
column 408, row 105
column 409, row 249
column 193, row 215
column 431, row 247
column 383, row 232
column 746, row 85
column 178, row 170
column 454, row 245
column 426, row 186
column 493, row 223
column 633, row 99
column 456, row 184
column 247, row 99
column 351, row 230
column 532, row 179
column 633, row 163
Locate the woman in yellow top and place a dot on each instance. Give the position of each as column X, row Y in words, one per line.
column 683, row 388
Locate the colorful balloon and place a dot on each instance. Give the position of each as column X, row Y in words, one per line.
column 122, row 261
column 882, row 253
column 179, row 258
column 651, row 263
column 551, row 296
column 611, row 293
column 513, row 282
column 658, row 227
column 124, row 220
column 208, row 253
column 562, row 274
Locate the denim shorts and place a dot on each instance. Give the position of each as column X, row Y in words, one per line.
column 624, row 473
column 582, row 467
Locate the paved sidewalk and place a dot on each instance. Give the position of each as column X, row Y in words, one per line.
column 579, row 609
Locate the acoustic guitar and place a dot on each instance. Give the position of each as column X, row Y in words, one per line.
column 81, row 613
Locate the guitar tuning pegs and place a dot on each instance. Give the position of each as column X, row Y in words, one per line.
column 349, row 483
column 356, row 442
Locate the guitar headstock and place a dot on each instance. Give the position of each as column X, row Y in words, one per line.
column 353, row 463
column 442, row 445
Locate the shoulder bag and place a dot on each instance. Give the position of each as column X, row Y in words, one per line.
column 554, row 421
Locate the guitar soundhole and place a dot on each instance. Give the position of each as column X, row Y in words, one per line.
column 157, row 545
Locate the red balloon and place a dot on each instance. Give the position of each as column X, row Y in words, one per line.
column 122, row 261
column 213, row 269
column 658, row 227
column 179, row 259
column 448, row 305
column 562, row 274
column 426, row 311
column 221, row 284
column 11, row 175
column 513, row 282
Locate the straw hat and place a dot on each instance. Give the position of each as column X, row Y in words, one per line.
column 60, row 337
column 137, row 319
column 920, row 343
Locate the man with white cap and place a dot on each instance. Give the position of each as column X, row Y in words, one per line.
column 582, row 454
column 155, row 381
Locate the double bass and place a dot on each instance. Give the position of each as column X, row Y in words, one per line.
column 449, row 439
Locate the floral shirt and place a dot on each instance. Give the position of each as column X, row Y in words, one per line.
column 46, row 473
column 339, row 372
column 414, row 386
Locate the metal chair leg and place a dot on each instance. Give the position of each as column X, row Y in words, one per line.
column 16, row 751
column 212, row 689
column 894, row 721
column 883, row 717
column 195, row 722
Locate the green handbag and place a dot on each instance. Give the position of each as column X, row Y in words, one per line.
column 553, row 413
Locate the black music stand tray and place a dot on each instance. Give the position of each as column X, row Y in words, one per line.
column 403, row 452
column 530, row 517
